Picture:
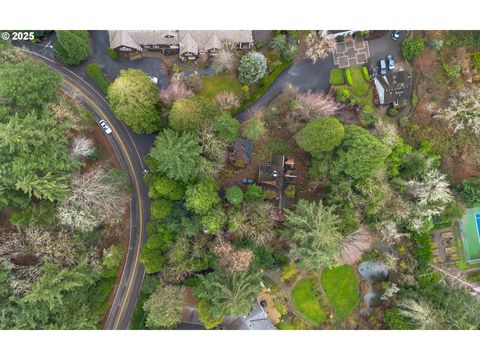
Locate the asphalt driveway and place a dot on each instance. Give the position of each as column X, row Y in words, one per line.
column 381, row 47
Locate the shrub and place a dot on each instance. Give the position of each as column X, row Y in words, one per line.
column 112, row 54
column 254, row 129
column 234, row 195
column 452, row 72
column 348, row 76
column 289, row 273
column 412, row 48
column 254, row 193
column 336, row 77
column 245, row 88
column 470, row 191
column 227, row 127
column 395, row 321
column 194, row 82
column 423, row 252
column 366, row 75
column 392, row 111
column 343, row 95
column 252, row 69
column 435, row 44
column 96, row 75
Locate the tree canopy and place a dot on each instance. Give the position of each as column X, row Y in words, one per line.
column 133, row 98
column 252, row 68
column 71, row 46
column 28, row 85
column 164, row 307
column 320, row 135
column 34, row 158
column 176, row 155
column 202, row 196
column 313, row 228
column 188, row 114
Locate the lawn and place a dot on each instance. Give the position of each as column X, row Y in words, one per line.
column 336, row 77
column 341, row 285
column 360, row 90
column 212, row 85
column 307, row 300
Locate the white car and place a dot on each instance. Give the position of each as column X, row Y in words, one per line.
column 105, row 127
column 154, row 79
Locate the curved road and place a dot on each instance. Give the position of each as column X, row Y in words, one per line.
column 128, row 289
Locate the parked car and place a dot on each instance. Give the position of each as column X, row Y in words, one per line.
column 390, row 62
column 396, row 35
column 383, row 67
column 247, row 181
column 154, row 79
column 105, row 127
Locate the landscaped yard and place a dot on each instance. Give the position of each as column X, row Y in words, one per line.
column 360, row 90
column 307, row 300
column 341, row 285
column 212, row 85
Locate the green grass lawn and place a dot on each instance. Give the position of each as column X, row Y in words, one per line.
column 307, row 300
column 336, row 77
column 360, row 90
column 341, row 285
column 212, row 85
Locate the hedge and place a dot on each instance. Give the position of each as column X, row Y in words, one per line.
column 112, row 53
column 95, row 73
column 348, row 76
column 336, row 77
column 366, row 75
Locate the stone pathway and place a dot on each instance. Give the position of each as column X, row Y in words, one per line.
column 351, row 52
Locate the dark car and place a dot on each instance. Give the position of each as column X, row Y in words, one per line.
column 396, row 35
column 383, row 67
column 390, row 62
column 247, row 181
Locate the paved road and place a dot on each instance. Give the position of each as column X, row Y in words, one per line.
column 130, row 157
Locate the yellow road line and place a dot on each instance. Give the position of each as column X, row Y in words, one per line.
column 100, row 111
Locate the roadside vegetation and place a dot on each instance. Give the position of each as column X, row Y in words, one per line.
column 62, row 204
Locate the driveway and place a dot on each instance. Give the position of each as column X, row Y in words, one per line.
column 305, row 75
column 381, row 47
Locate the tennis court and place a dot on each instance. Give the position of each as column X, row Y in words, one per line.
column 470, row 229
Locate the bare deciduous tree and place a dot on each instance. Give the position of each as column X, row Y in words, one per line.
column 353, row 246
column 312, row 105
column 232, row 259
column 225, row 61
column 227, row 100
column 177, row 89
column 462, row 112
column 387, row 133
column 318, row 48
column 96, row 197
column 82, row 148
column 257, row 225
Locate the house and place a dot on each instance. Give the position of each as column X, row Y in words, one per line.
column 257, row 319
column 189, row 44
column 394, row 88
column 196, row 42
column 279, row 175
column 136, row 41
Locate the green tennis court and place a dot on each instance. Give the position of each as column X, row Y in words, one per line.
column 470, row 229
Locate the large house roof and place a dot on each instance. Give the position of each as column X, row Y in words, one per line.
column 136, row 38
column 393, row 88
column 214, row 39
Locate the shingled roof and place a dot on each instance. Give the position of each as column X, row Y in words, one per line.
column 136, row 38
column 213, row 39
column 393, row 88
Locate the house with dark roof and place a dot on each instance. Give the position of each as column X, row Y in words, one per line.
column 189, row 44
column 279, row 176
column 394, row 88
